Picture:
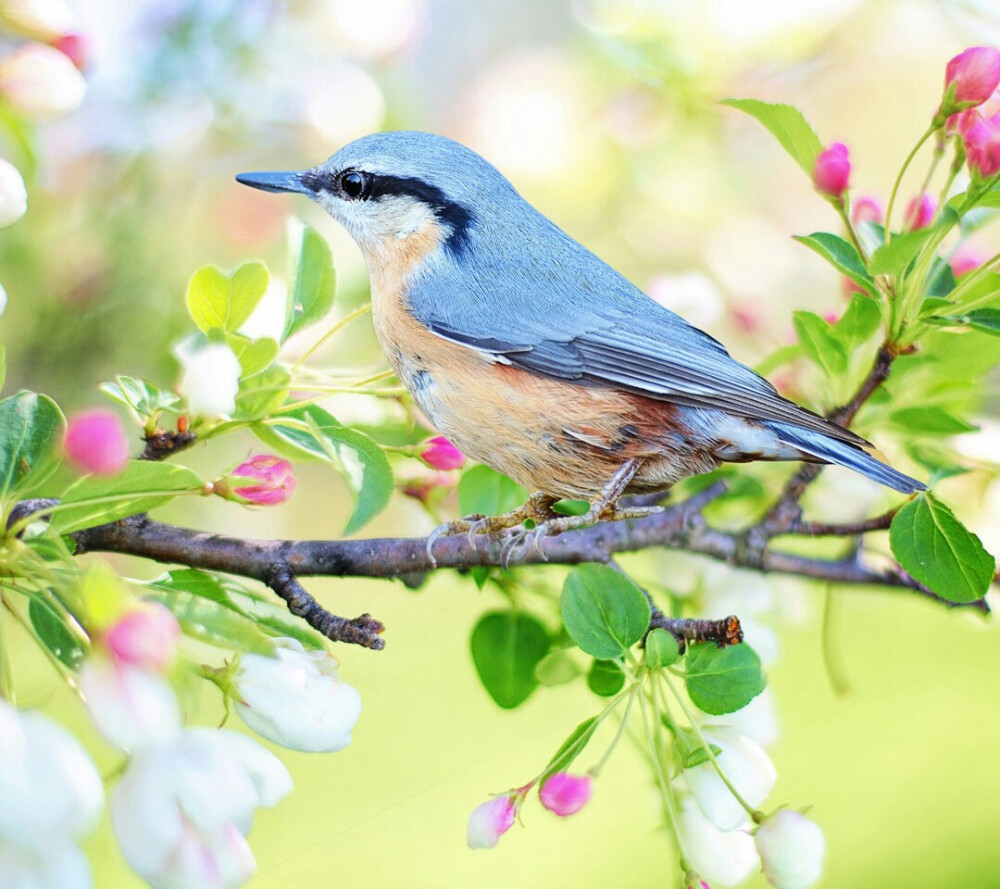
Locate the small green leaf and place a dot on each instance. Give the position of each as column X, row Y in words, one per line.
column 690, row 751
column 254, row 356
column 605, row 678
column 819, row 342
column 141, row 486
column 662, row 649
column 31, row 425
column 894, row 257
column 557, row 668
column 571, row 748
column 262, row 393
column 144, row 399
column 941, row 279
column 214, row 623
column 506, row 648
column 217, row 300
column 984, row 320
column 937, row 550
column 788, row 126
column 312, row 433
column 859, row 322
column 930, row 421
column 55, row 634
column 486, row 491
column 722, row 680
column 842, row 255
column 311, row 295
column 603, row 611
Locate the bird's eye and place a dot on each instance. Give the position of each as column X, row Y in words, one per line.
column 353, row 184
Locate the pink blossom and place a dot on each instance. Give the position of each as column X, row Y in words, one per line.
column 982, row 145
column 76, row 47
column 974, row 73
column 832, row 170
column 565, row 794
column 831, row 317
column 274, row 480
column 95, row 442
column 964, row 260
column 442, row 454
column 920, row 211
column 867, row 209
column 491, row 820
column 145, row 637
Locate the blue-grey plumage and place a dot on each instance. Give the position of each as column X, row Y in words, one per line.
column 530, row 352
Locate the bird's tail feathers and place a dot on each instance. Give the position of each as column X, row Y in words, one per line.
column 831, row 450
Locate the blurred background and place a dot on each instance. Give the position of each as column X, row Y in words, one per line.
column 604, row 114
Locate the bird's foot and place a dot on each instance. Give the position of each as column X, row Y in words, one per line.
column 537, row 508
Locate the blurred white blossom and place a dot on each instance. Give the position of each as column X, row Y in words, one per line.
column 13, row 194
column 748, row 768
column 724, row 858
column 791, row 847
column 45, row 20
column 183, row 808
column 41, row 82
column 296, row 698
column 211, row 378
column 692, row 295
column 757, row 721
column 344, row 102
column 374, row 28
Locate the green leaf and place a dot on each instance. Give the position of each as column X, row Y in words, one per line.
column 312, row 433
column 264, row 611
column 144, row 399
column 937, row 550
column 312, row 293
column 262, row 393
column 605, row 678
column 859, row 322
column 894, row 257
column 662, row 649
column 254, row 356
column 486, row 491
column 930, row 421
column 214, row 623
column 690, row 751
column 31, row 426
column 217, row 300
column 842, row 255
column 984, row 320
column 604, row 612
column 506, row 648
column 940, row 280
column 55, row 634
column 570, row 749
column 141, row 486
column 788, row 126
column 819, row 342
column 557, row 668
column 722, row 680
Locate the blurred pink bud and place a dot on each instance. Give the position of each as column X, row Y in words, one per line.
column 832, row 170
column 95, row 442
column 45, row 20
column 867, row 209
column 490, row 821
column 424, row 489
column 964, row 260
column 76, row 47
column 701, row 884
column 831, row 317
column 565, row 794
column 746, row 319
column 13, row 194
column 974, row 73
column 442, row 454
column 145, row 637
column 274, row 480
column 919, row 212
column 39, row 81
column 982, row 145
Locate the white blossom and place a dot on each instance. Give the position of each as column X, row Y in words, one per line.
column 211, row 379
column 45, row 20
column 296, row 698
column 41, row 82
column 183, row 808
column 791, row 847
column 13, row 194
column 724, row 858
column 758, row 720
column 748, row 768
column 131, row 706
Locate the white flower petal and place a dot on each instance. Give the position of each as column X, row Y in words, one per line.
column 61, row 865
column 792, row 848
column 723, row 858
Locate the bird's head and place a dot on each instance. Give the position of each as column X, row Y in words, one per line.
column 387, row 187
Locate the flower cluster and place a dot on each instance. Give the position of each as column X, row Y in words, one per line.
column 972, row 83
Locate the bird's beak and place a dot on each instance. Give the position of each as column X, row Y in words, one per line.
column 284, row 181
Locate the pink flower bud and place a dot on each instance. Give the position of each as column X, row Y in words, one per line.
column 832, row 170
column 982, row 145
column 964, row 260
column 919, row 212
column 76, row 47
column 274, row 480
column 40, row 81
column 565, row 794
column 95, row 442
column 974, row 73
column 490, row 821
column 442, row 454
column 145, row 637
column 867, row 209
column 831, row 317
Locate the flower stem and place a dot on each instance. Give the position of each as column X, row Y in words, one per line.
column 596, row 769
column 899, row 178
column 339, row 326
column 6, row 676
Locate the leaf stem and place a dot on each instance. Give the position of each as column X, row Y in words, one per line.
column 333, row 331
column 596, row 769
column 6, row 676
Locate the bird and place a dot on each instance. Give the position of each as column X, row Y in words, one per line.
column 534, row 356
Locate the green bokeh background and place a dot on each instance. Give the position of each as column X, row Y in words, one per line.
column 604, row 115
